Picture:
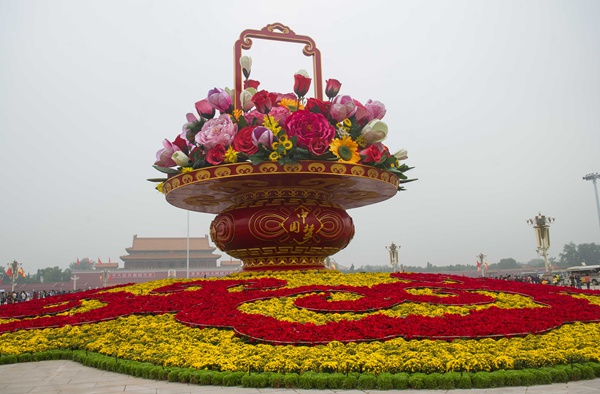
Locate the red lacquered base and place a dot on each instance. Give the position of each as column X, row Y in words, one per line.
column 275, row 217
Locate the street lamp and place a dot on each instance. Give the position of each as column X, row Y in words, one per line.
column 541, row 225
column 481, row 266
column 14, row 269
column 393, row 249
column 593, row 178
column 104, row 277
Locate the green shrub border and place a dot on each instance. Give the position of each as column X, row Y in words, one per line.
column 321, row 380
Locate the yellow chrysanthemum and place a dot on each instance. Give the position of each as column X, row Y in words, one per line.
column 161, row 187
column 186, row 169
column 345, row 149
column 231, row 155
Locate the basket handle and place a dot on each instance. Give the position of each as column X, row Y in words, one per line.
column 276, row 32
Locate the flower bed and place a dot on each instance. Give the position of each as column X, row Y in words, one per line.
column 298, row 322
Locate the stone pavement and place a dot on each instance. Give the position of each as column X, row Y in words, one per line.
column 68, row 377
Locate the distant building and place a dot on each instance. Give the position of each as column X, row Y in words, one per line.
column 169, row 253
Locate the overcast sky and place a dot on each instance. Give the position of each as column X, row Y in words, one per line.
column 497, row 103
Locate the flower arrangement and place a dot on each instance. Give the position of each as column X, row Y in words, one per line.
column 376, row 323
column 282, row 128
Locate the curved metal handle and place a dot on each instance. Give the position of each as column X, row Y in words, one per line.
column 277, row 32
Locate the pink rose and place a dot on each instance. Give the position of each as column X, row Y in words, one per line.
column 306, row 125
column 216, row 131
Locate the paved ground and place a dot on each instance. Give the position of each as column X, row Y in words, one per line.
column 68, row 377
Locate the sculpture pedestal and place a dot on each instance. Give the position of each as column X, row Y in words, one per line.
column 281, row 217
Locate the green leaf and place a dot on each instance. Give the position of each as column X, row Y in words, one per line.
column 166, row 170
column 156, row 179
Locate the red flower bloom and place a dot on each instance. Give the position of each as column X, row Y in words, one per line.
column 301, row 84
column 332, row 87
column 251, row 83
column 242, row 142
column 306, row 126
column 262, row 102
column 318, row 106
column 216, row 154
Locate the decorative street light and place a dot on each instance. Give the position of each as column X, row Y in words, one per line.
column 481, row 266
column 74, row 278
column 541, row 225
column 13, row 270
column 593, row 178
column 104, row 277
column 393, row 249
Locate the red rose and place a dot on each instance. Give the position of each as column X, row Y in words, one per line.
column 242, row 142
column 251, row 83
column 262, row 102
column 216, row 154
column 301, row 85
column 318, row 146
column 306, row 126
column 372, row 154
column 332, row 87
column 318, row 106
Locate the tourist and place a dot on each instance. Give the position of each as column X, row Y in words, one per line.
column 587, row 280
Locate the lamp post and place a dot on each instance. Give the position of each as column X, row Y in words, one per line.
column 14, row 269
column 393, row 249
column 480, row 264
column 104, row 277
column 541, row 225
column 74, row 278
column 593, row 178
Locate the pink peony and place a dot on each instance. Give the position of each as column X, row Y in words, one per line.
column 307, row 125
column 216, row 131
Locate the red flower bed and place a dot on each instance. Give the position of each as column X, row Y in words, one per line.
column 211, row 303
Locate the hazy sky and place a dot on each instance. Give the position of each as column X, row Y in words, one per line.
column 497, row 103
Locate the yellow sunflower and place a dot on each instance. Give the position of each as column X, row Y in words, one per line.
column 345, row 149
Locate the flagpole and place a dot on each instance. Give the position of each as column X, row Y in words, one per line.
column 188, row 246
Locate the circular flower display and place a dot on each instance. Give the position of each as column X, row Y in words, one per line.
column 401, row 322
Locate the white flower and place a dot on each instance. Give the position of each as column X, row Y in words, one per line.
column 180, row 158
column 246, row 63
column 402, row 154
column 374, row 131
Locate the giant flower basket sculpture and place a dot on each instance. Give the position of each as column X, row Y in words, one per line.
column 280, row 170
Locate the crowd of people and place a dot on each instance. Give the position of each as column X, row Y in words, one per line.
column 11, row 297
